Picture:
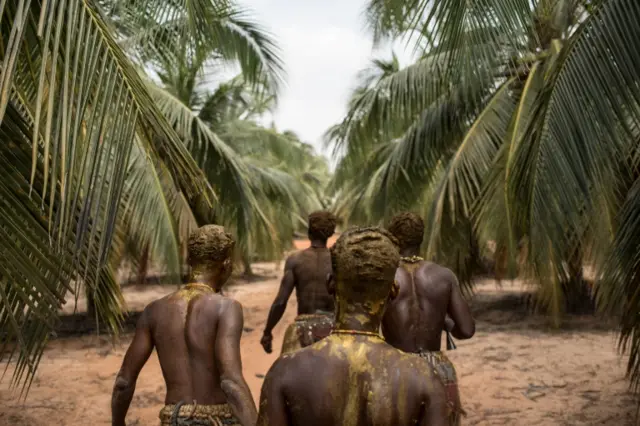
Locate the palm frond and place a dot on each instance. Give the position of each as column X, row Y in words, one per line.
column 216, row 30
column 154, row 212
column 453, row 27
column 576, row 142
column 494, row 219
column 71, row 106
column 469, row 165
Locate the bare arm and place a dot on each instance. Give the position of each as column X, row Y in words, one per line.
column 464, row 325
column 273, row 407
column 135, row 358
column 280, row 304
column 229, row 363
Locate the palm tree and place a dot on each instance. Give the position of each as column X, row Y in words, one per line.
column 521, row 122
column 76, row 112
column 265, row 159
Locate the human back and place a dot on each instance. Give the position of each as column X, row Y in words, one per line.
column 363, row 382
column 415, row 319
column 196, row 332
column 353, row 377
column 310, row 268
column 428, row 292
column 183, row 326
column 305, row 272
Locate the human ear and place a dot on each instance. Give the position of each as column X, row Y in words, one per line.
column 228, row 265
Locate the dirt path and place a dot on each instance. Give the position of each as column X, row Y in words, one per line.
column 513, row 372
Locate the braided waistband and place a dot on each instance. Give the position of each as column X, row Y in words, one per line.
column 219, row 414
column 307, row 317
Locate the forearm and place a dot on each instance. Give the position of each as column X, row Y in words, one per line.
column 275, row 315
column 120, row 401
column 240, row 400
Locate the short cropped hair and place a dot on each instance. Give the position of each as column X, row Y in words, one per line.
column 364, row 264
column 209, row 245
column 322, row 225
column 408, row 228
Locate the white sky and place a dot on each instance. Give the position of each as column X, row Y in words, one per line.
column 324, row 44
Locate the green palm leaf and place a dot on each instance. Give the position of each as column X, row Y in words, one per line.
column 494, row 219
column 572, row 159
column 468, row 166
column 591, row 119
column 160, row 32
column 453, row 26
column 71, row 106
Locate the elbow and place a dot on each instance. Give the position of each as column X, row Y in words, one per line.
column 467, row 331
column 464, row 330
column 232, row 388
column 228, row 385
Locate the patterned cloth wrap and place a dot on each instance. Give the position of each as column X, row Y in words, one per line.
column 447, row 373
column 306, row 330
column 182, row 414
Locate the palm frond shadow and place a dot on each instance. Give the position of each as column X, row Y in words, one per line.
column 516, row 312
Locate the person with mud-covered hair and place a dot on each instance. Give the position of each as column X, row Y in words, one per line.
column 353, row 377
column 196, row 332
column 428, row 292
column 305, row 271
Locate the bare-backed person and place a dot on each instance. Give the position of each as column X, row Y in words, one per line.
column 306, row 271
column 196, row 332
column 428, row 292
column 353, row 377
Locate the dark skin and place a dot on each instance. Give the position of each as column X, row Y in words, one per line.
column 363, row 381
column 414, row 320
column 197, row 336
column 306, row 272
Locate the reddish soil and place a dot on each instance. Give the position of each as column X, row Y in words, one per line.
column 303, row 244
column 515, row 371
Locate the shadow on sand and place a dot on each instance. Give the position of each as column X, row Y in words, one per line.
column 513, row 312
column 505, row 312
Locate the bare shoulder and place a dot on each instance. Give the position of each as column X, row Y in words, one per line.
column 433, row 271
column 293, row 259
column 149, row 311
column 222, row 304
column 299, row 363
column 280, row 372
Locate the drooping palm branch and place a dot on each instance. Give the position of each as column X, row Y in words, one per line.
column 556, row 176
column 71, row 106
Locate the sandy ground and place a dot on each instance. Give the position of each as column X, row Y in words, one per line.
column 515, row 371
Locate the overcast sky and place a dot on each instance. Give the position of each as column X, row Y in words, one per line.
column 324, row 44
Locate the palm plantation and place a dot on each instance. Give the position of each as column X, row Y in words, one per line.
column 75, row 115
column 518, row 125
column 515, row 134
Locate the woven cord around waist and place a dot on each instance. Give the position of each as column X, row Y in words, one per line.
column 316, row 316
column 182, row 414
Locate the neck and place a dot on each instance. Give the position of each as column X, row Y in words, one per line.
column 318, row 243
column 206, row 280
column 410, row 251
column 357, row 319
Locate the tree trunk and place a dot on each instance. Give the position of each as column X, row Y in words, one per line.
column 577, row 292
column 143, row 265
column 246, row 263
column 91, row 306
